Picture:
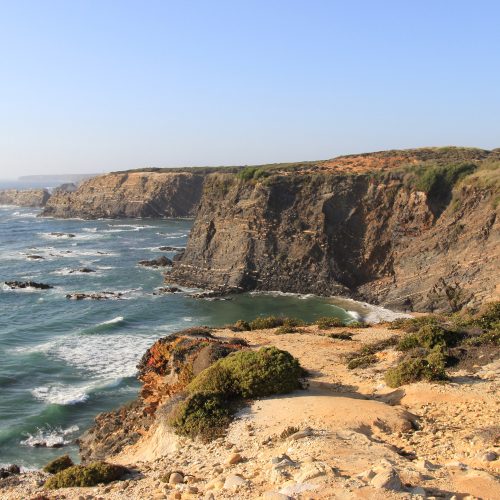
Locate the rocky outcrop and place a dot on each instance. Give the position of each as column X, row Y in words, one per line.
column 24, row 197
column 130, row 194
column 386, row 227
column 164, row 370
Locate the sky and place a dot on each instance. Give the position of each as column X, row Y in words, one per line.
column 99, row 85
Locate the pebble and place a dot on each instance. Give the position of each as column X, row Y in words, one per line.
column 387, row 479
column 274, row 495
column 301, row 434
column 233, row 482
column 235, row 458
column 489, row 456
column 310, row 471
column 175, row 478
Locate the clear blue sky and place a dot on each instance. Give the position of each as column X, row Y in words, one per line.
column 96, row 85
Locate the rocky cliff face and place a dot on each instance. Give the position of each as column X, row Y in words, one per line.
column 130, row 194
column 24, row 197
column 387, row 227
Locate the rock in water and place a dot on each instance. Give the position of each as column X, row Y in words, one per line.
column 159, row 262
column 28, row 284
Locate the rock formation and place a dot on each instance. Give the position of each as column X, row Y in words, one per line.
column 24, row 197
column 399, row 228
column 130, row 194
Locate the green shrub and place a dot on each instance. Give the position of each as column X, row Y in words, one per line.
column 429, row 336
column 284, row 329
column 488, row 338
column 251, row 374
column 438, row 181
column 430, row 367
column 340, row 336
column 252, row 173
column 362, row 361
column 293, row 322
column 241, row 326
column 265, row 323
column 58, row 464
column 215, row 392
column 86, row 475
column 329, row 322
column 203, row 414
column 357, row 324
column 489, row 317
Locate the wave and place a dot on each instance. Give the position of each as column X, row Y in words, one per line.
column 368, row 312
column 59, row 394
column 105, row 325
column 50, row 437
column 277, row 293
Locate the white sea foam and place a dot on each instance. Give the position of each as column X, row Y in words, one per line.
column 368, row 312
column 50, row 437
column 106, row 357
column 60, row 394
column 113, row 321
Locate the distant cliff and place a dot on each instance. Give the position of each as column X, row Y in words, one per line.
column 24, row 197
column 412, row 230
column 130, row 194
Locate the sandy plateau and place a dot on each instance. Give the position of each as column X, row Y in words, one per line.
column 347, row 435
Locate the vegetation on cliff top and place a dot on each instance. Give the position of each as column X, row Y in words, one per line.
column 86, row 475
column 216, row 392
column 434, row 343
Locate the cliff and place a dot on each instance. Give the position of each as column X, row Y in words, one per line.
column 24, row 197
column 412, row 230
column 130, row 194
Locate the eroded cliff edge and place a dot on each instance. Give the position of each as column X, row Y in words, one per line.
column 130, row 194
column 24, row 197
column 412, row 230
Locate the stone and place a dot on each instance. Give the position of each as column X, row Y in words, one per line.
column 387, row 479
column 301, row 434
column 275, row 495
column 233, row 482
column 235, row 458
column 489, row 456
column 215, row 484
column 418, row 490
column 175, row 478
column 310, row 471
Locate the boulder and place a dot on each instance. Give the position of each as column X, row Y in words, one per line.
column 28, row 284
column 159, row 262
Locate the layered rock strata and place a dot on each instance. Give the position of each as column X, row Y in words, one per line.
column 359, row 226
column 24, row 197
column 130, row 194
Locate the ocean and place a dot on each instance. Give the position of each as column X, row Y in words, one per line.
column 63, row 361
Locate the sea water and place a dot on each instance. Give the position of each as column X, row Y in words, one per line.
column 63, row 361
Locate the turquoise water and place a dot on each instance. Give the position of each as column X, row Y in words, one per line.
column 64, row 361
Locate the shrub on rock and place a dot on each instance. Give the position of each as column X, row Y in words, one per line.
column 86, row 475
column 58, row 464
column 216, row 391
column 203, row 414
column 429, row 366
column 329, row 322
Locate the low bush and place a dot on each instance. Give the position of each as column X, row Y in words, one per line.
column 86, row 475
column 251, row 374
column 491, row 337
column 362, row 361
column 240, row 326
column 284, row 329
column 265, row 323
column 429, row 336
column 430, row 367
column 357, row 324
column 202, row 414
column 58, row 464
column 489, row 317
column 216, row 391
column 340, row 336
column 327, row 322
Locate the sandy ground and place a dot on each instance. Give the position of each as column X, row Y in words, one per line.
column 356, row 438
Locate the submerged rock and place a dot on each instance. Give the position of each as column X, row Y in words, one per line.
column 82, row 270
column 27, row 284
column 167, row 289
column 94, row 295
column 63, row 235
